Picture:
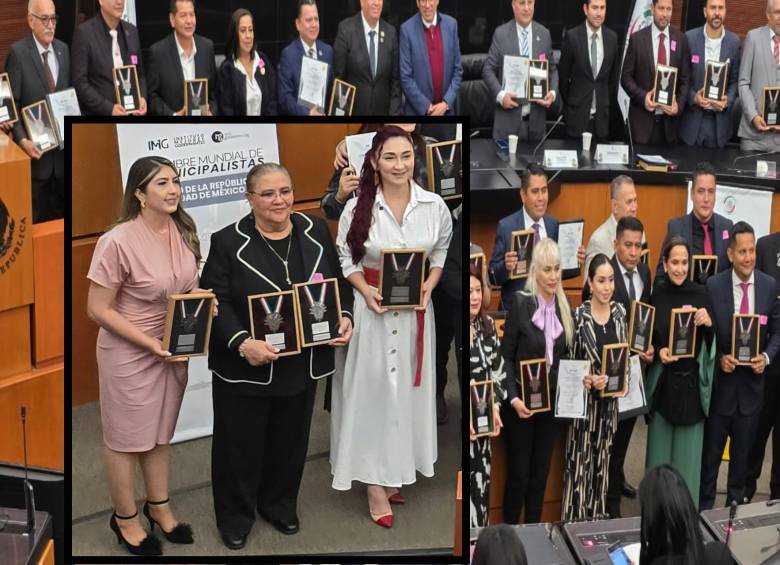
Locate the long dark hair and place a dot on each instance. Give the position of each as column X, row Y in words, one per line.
column 231, row 42
column 670, row 524
column 499, row 545
column 141, row 174
column 484, row 319
column 369, row 180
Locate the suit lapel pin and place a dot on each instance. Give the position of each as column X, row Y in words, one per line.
column 381, row 37
column 319, row 52
column 778, row 259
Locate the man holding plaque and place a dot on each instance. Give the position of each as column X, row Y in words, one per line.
column 179, row 57
column 738, row 395
column 524, row 40
column 307, row 22
column 657, row 44
column 37, row 65
column 714, row 56
column 430, row 61
column 100, row 45
column 759, row 71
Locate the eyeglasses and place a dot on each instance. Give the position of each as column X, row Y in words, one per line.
column 270, row 195
column 46, row 20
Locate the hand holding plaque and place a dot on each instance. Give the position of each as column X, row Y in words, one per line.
column 703, row 267
column 535, row 385
column 40, row 126
column 745, row 337
column 444, row 169
column 319, row 311
column 7, row 103
column 641, row 326
column 682, row 333
column 401, row 275
column 128, row 93
column 483, row 420
column 665, row 85
column 770, row 105
column 523, row 245
column 538, row 80
column 273, row 318
column 614, row 364
column 342, row 99
column 196, row 97
column 715, row 80
column 188, row 324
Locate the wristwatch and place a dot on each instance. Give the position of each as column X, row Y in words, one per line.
column 241, row 348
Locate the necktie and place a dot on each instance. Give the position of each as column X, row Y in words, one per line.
column 661, row 49
column 524, row 43
column 115, row 51
column 310, row 53
column 372, row 53
column 536, row 233
column 776, row 46
column 47, row 72
column 744, row 306
column 707, row 240
column 631, row 289
column 594, row 54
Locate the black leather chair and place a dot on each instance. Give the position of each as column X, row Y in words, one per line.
column 474, row 96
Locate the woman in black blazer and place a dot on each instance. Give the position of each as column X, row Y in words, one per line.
column 262, row 402
column 539, row 325
column 242, row 61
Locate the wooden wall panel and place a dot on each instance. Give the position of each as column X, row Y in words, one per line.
column 84, row 331
column 42, row 392
column 13, row 25
column 15, row 354
column 49, row 307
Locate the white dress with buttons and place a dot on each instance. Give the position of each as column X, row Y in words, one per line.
column 383, row 428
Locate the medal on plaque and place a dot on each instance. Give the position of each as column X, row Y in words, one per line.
column 538, row 85
column 195, row 101
column 446, row 171
column 399, row 293
column 125, row 81
column 745, row 347
column 524, row 248
column 681, row 345
column 188, row 326
column 535, row 383
column 704, row 270
column 483, row 421
column 38, row 131
column 320, row 329
column 665, row 82
column 614, row 374
column 715, row 83
column 771, row 97
column 640, row 337
column 273, row 320
column 341, row 100
column 7, row 104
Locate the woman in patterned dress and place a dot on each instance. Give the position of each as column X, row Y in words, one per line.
column 486, row 363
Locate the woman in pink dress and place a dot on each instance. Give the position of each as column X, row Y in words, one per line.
column 150, row 252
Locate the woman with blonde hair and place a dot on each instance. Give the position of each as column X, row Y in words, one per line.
column 539, row 325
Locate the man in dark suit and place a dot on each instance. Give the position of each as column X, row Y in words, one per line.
column 100, row 44
column 767, row 261
column 706, row 231
column 588, row 73
column 738, row 391
column 365, row 54
column 37, row 65
column 307, row 22
column 706, row 122
column 657, row 44
column 533, row 214
column 177, row 57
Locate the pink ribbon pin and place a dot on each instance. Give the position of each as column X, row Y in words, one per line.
column 542, row 57
column 695, row 59
column 134, row 59
column 674, row 45
column 762, row 320
column 725, row 234
column 317, row 277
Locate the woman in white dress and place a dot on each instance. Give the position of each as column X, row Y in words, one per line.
column 383, row 416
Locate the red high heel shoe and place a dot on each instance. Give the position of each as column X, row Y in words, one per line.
column 384, row 520
column 396, row 498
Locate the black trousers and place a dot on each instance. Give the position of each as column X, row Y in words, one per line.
column 443, row 306
column 769, row 419
column 48, row 199
column 529, row 447
column 741, row 430
column 618, row 457
column 257, row 455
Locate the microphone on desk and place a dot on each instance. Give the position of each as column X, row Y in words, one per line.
column 29, row 497
column 546, row 135
column 732, row 513
column 734, row 162
column 627, row 122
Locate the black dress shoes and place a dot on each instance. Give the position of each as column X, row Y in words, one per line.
column 628, row 490
column 288, row 526
column 233, row 541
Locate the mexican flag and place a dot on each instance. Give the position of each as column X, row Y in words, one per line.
column 641, row 17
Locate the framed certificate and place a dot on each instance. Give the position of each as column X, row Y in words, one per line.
column 196, row 97
column 523, row 245
column 126, row 88
column 358, row 146
column 63, row 103
column 401, row 275
column 640, row 327
column 614, row 364
column 682, row 332
column 483, row 417
column 7, row 105
column 644, row 256
column 273, row 318
column 535, row 385
column 319, row 311
column 342, row 98
column 313, row 85
column 745, row 337
column 665, row 85
column 478, row 259
column 514, row 76
column 538, row 80
column 703, row 267
column 188, row 324
column 716, row 77
column 444, row 169
column 769, row 105
column 40, row 126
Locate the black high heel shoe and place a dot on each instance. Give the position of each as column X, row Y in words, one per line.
column 182, row 533
column 150, row 545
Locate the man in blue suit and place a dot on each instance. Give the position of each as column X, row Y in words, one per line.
column 706, row 231
column 430, row 61
column 738, row 392
column 307, row 22
column 705, row 122
column 533, row 214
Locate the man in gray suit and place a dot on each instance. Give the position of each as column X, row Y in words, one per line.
column 760, row 67
column 706, row 122
column 37, row 65
column 525, row 38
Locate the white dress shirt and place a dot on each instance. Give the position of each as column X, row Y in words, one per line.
column 772, row 44
column 429, row 25
column 639, row 286
column 254, row 96
column 51, row 57
column 529, row 222
column 712, row 46
column 367, row 38
column 187, row 62
column 306, row 48
column 735, row 281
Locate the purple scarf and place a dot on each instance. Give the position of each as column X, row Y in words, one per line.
column 546, row 320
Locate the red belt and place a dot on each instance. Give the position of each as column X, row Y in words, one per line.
column 372, row 278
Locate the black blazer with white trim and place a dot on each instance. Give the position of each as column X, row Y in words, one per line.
column 239, row 265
